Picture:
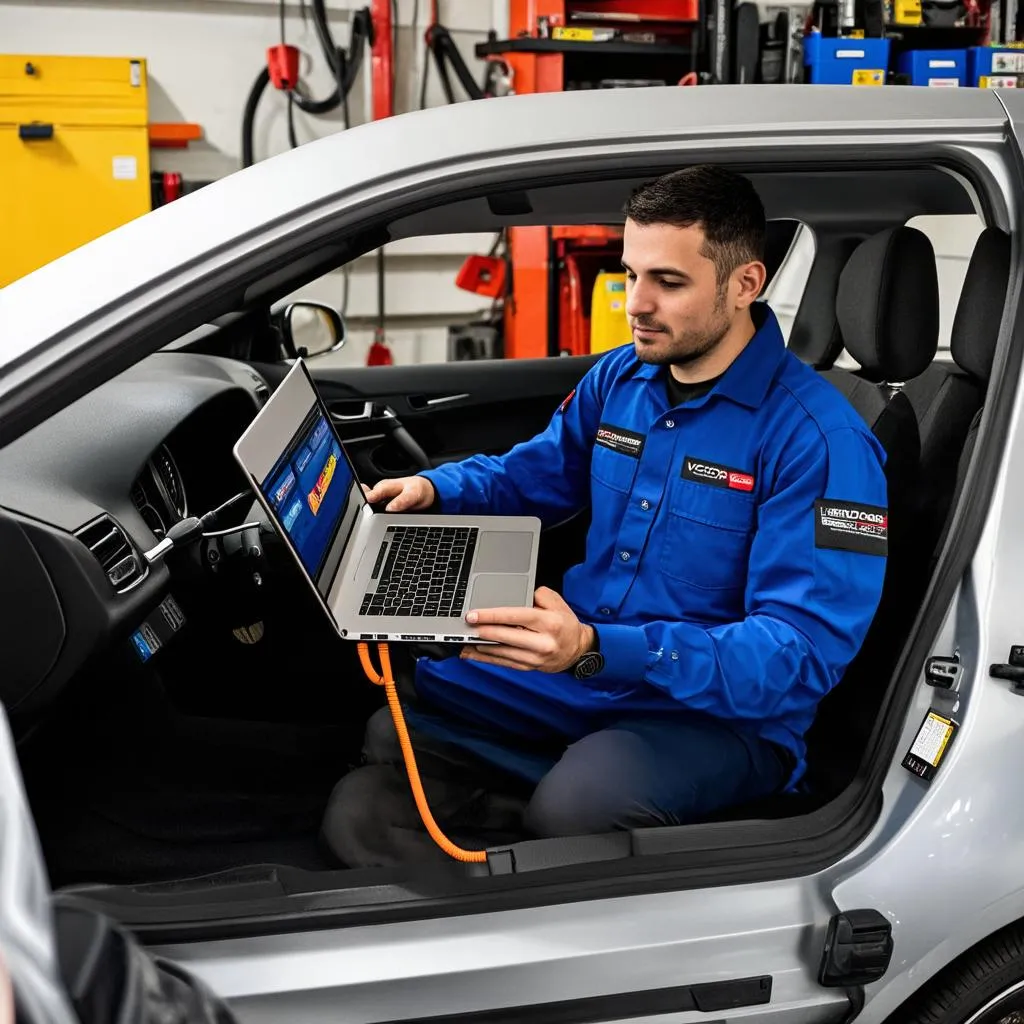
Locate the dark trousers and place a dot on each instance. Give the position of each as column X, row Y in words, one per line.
column 637, row 773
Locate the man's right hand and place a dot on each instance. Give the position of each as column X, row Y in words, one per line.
column 406, row 494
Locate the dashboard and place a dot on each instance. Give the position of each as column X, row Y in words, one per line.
column 84, row 494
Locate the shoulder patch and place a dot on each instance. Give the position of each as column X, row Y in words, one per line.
column 851, row 526
column 565, row 401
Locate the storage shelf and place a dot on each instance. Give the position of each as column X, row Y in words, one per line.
column 529, row 44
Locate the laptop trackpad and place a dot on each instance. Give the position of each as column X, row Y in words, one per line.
column 503, row 551
column 499, row 591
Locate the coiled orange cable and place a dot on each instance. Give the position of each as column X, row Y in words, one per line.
column 387, row 680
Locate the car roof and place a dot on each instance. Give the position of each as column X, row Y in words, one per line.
column 76, row 288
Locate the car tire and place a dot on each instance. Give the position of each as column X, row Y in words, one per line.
column 983, row 986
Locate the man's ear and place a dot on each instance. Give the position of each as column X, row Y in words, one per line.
column 749, row 281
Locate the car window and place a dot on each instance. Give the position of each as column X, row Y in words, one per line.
column 786, row 289
column 423, row 303
column 952, row 237
column 434, row 315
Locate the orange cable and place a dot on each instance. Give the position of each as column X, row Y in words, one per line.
column 387, row 680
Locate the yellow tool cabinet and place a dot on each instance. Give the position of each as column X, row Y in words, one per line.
column 74, row 154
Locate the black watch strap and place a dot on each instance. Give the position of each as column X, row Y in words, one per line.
column 592, row 661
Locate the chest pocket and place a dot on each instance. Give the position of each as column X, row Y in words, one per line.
column 613, row 469
column 708, row 532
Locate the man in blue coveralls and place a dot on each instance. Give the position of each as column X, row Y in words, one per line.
column 734, row 561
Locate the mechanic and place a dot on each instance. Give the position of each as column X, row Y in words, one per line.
column 734, row 562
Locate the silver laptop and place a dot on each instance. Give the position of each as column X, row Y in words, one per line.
column 379, row 576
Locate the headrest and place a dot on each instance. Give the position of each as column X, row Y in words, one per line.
column 887, row 304
column 972, row 341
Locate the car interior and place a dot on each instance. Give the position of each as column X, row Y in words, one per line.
column 201, row 774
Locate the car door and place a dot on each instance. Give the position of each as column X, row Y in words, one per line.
column 613, row 928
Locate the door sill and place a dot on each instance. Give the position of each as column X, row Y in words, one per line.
column 265, row 899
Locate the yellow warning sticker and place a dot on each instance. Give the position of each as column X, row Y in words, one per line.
column 868, row 76
column 930, row 745
column 571, row 34
column 932, row 739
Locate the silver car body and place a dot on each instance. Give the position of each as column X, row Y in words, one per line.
column 942, row 861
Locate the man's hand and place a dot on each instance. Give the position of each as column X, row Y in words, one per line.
column 408, row 493
column 547, row 637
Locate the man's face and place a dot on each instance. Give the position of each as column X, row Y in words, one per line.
column 674, row 304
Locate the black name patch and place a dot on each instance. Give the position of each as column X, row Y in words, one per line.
column 618, row 439
column 704, row 472
column 849, row 526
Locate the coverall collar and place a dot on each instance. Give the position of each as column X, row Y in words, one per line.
column 751, row 373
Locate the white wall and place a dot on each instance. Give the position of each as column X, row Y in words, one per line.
column 202, row 58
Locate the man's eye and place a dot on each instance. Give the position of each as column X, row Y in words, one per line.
column 630, row 276
column 671, row 285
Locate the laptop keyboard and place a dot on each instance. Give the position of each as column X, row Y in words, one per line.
column 425, row 571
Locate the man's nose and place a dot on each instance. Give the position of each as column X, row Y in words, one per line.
column 639, row 300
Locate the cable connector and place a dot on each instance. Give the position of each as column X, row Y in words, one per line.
column 190, row 529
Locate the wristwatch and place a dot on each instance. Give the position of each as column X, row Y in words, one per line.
column 591, row 663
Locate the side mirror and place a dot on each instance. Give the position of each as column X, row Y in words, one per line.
column 310, row 329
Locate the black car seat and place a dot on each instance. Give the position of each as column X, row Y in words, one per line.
column 887, row 307
column 948, row 397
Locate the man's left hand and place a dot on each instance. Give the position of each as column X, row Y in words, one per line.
column 547, row 637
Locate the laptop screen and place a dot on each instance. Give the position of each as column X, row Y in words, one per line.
column 310, row 490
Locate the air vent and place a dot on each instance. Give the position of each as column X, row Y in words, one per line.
column 166, row 472
column 110, row 547
column 149, row 514
column 260, row 389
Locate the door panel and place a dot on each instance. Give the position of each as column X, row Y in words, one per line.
column 451, row 409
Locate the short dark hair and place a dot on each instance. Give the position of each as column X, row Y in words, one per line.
column 723, row 203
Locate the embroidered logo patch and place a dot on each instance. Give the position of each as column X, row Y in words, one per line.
column 850, row 526
column 618, row 439
column 703, row 472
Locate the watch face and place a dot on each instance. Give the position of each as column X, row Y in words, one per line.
column 590, row 664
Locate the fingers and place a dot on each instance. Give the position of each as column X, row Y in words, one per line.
column 383, row 489
column 411, row 497
column 528, row 617
column 406, row 494
column 520, row 639
column 505, row 657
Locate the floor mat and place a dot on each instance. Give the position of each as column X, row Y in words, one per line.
column 190, row 796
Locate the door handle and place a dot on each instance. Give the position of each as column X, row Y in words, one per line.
column 422, row 402
column 370, row 413
column 359, row 417
column 34, row 131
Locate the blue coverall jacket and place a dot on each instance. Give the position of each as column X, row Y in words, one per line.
column 735, row 556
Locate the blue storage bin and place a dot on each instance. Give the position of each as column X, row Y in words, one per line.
column 840, row 61
column 994, row 66
column 935, row 67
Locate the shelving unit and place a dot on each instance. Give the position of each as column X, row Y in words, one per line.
column 653, row 42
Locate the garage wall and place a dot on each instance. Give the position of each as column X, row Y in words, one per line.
column 202, row 57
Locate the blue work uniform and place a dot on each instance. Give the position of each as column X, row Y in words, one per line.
column 733, row 565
